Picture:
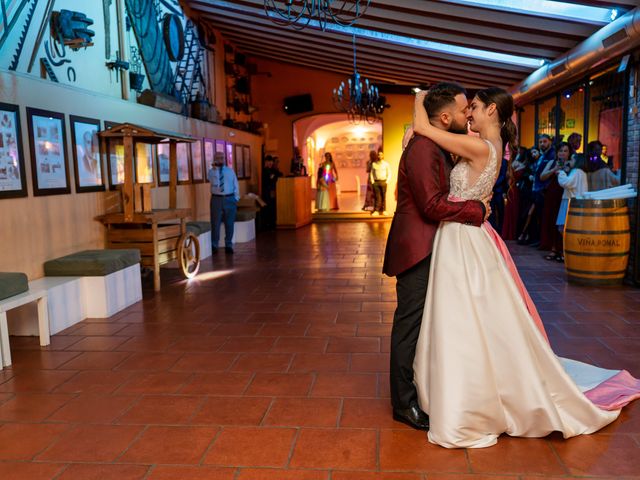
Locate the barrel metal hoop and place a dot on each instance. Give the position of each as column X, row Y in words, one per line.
column 598, row 232
column 594, row 214
column 588, row 254
column 584, row 203
column 591, row 272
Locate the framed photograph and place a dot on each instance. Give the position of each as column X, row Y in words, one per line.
column 144, row 162
column 246, row 160
column 197, row 170
column 182, row 152
column 229, row 154
column 238, row 161
column 209, row 151
column 86, row 154
column 220, row 146
column 12, row 175
column 49, row 163
column 115, row 158
column 163, row 164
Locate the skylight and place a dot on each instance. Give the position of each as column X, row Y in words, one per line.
column 409, row 41
column 548, row 8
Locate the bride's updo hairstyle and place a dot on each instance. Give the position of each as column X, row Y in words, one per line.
column 504, row 106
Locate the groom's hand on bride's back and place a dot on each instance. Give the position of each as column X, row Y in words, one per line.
column 486, row 201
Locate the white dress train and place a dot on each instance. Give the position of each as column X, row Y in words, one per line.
column 483, row 364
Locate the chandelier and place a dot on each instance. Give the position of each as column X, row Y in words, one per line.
column 358, row 98
column 299, row 13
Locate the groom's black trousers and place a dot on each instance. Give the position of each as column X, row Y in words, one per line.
column 411, row 290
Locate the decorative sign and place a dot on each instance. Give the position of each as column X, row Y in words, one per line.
column 12, row 176
column 47, row 138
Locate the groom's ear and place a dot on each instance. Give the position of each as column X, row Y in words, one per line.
column 445, row 118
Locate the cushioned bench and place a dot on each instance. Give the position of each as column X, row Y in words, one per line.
column 91, row 283
column 244, row 231
column 15, row 293
column 12, row 283
column 91, row 263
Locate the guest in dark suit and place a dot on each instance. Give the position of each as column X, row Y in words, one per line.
column 423, row 188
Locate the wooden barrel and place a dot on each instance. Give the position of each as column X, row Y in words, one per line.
column 597, row 241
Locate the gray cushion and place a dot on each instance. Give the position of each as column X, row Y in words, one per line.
column 91, row 263
column 12, row 283
column 198, row 227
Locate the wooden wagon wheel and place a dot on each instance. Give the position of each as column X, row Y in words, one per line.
column 189, row 254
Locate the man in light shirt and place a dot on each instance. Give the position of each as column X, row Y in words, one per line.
column 225, row 194
column 379, row 176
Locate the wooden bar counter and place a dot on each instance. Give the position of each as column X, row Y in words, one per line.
column 294, row 202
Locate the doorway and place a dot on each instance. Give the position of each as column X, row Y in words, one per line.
column 349, row 146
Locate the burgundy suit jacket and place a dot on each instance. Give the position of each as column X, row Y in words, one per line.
column 423, row 188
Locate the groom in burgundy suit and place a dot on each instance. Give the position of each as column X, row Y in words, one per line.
column 423, row 188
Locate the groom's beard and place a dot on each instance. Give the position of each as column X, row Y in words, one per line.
column 458, row 128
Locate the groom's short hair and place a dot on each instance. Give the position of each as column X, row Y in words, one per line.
column 441, row 95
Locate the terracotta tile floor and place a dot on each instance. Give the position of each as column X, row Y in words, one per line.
column 272, row 365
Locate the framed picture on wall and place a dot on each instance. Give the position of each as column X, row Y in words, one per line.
column 163, row 163
column 12, row 175
column 115, row 158
column 220, row 146
column 229, row 154
column 86, row 154
column 209, row 151
column 246, row 160
column 197, row 170
column 182, row 152
column 49, row 163
column 238, row 161
column 144, row 162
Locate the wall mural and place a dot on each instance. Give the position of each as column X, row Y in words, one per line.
column 143, row 15
column 12, row 19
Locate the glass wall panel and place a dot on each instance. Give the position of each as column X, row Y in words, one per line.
column 572, row 114
column 547, row 117
column 605, row 114
column 527, row 126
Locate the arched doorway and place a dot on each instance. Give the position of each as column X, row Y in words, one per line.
column 349, row 146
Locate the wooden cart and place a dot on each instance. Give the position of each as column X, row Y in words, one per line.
column 160, row 235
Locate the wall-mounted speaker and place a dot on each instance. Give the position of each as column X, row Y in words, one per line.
column 298, row 104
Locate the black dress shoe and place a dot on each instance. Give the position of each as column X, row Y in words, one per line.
column 228, row 250
column 412, row 416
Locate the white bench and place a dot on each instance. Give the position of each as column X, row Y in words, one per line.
column 243, row 231
column 32, row 295
column 72, row 299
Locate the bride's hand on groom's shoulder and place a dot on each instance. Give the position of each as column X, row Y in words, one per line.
column 407, row 136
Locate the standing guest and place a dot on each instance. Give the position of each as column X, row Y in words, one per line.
column 369, row 201
column 516, row 172
column 225, row 194
column 573, row 180
column 270, row 175
column 600, row 176
column 379, row 178
column 498, row 198
column 547, row 154
column 322, row 190
column 550, row 239
column 331, row 177
column 575, row 140
column 528, row 206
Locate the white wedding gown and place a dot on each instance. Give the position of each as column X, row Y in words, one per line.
column 483, row 364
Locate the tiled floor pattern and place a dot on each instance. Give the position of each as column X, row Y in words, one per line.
column 272, row 365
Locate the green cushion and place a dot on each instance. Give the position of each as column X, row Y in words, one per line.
column 91, row 263
column 198, row 227
column 245, row 214
column 12, row 283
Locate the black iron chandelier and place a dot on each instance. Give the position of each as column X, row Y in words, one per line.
column 300, row 13
column 358, row 98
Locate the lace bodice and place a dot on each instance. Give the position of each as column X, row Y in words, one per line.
column 483, row 186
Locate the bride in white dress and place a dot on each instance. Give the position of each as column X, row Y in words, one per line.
column 483, row 363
